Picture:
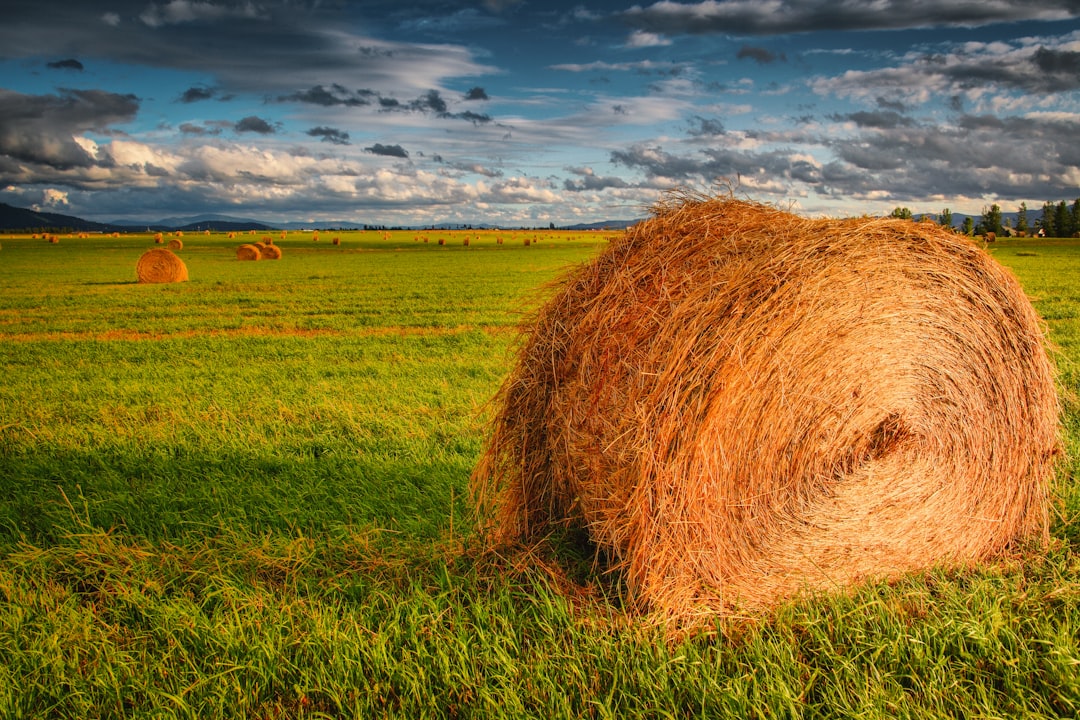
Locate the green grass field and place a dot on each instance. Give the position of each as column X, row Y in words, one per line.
column 246, row 496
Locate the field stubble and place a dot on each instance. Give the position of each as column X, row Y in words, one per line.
column 245, row 495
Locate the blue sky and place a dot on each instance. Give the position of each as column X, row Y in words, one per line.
column 520, row 112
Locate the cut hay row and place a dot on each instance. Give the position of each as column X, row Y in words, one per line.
column 160, row 265
column 741, row 405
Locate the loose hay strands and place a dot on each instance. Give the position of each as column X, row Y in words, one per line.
column 160, row 265
column 248, row 251
column 741, row 405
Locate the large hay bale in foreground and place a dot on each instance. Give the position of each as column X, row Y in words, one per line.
column 740, row 405
column 160, row 265
column 270, row 252
column 248, row 251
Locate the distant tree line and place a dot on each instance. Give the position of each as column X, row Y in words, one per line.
column 42, row 230
column 1056, row 220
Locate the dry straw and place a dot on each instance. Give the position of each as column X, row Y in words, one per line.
column 160, row 265
column 176, row 244
column 740, row 405
column 248, row 251
column 270, row 252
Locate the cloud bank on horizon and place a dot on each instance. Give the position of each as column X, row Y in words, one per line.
column 518, row 112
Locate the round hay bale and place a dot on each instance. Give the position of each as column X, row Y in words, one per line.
column 176, row 244
column 248, row 251
column 741, row 405
column 270, row 252
column 160, row 265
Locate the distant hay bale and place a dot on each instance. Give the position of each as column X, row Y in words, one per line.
column 158, row 238
column 991, row 237
column 465, row 242
column 270, row 252
column 336, row 241
column 176, row 244
column 160, row 265
column 740, row 405
column 248, row 251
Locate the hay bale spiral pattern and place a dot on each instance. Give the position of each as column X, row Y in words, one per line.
column 741, row 405
column 160, row 265
column 248, row 251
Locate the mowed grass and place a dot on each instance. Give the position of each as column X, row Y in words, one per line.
column 246, row 496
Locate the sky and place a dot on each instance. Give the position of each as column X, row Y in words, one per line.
column 525, row 113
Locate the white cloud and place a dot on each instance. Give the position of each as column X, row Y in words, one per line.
column 642, row 39
column 52, row 197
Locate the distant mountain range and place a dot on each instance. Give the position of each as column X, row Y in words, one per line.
column 24, row 219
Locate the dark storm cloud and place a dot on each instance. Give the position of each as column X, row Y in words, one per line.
column 199, row 130
column 329, row 97
column 388, row 150
column 881, row 119
column 705, row 127
column 760, row 55
column 476, row 93
column 254, row 124
column 474, row 118
column 1034, row 156
column 1046, row 71
column 270, row 47
column 195, row 94
column 330, row 135
column 69, row 64
column 39, row 128
column 431, row 101
column 751, row 17
column 589, row 181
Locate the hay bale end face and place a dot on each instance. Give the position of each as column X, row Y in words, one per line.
column 176, row 244
column 741, row 405
column 161, row 266
column 248, row 251
column 270, row 252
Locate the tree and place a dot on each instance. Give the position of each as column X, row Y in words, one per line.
column 1047, row 220
column 902, row 213
column 969, row 226
column 1075, row 213
column 1062, row 220
column 1022, row 218
column 945, row 218
column 991, row 220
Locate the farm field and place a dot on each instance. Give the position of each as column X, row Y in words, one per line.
column 246, row 495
